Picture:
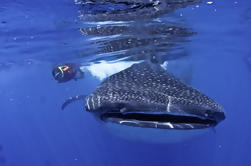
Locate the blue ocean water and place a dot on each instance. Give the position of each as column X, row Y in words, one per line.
column 205, row 43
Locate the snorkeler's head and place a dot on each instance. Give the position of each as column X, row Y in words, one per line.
column 64, row 73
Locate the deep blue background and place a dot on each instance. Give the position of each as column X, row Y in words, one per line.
column 35, row 35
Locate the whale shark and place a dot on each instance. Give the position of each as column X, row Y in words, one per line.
column 145, row 95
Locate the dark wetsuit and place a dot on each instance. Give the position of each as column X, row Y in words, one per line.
column 67, row 72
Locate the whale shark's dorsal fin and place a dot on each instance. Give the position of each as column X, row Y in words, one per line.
column 72, row 99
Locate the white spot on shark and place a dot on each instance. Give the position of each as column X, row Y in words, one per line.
column 169, row 104
column 87, row 103
column 93, row 104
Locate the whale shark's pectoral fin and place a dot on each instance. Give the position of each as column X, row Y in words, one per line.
column 72, row 99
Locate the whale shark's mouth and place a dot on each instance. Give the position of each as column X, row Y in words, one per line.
column 161, row 121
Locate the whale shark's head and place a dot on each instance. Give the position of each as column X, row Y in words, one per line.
column 145, row 95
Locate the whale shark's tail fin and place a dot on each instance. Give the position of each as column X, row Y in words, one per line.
column 72, row 99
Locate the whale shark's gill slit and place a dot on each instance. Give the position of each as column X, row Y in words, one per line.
column 72, row 99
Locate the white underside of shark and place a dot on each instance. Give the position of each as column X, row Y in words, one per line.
column 151, row 135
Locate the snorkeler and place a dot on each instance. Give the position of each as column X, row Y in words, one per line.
column 100, row 70
column 67, row 72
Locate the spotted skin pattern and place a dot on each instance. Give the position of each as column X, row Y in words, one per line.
column 148, row 87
